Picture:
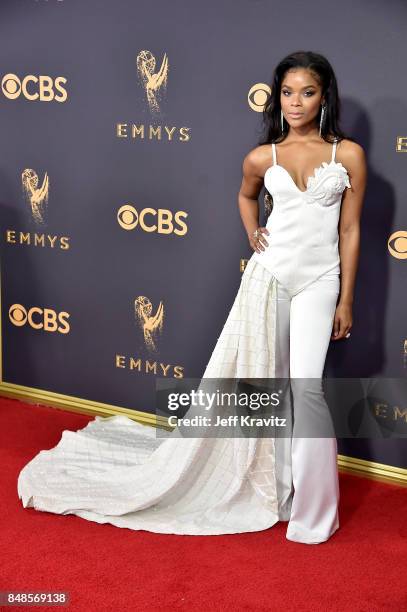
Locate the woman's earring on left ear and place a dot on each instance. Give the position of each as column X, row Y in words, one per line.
column 322, row 118
column 282, row 121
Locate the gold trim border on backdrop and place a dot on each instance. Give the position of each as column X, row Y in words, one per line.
column 350, row 465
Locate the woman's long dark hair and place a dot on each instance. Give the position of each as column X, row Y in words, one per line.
column 319, row 65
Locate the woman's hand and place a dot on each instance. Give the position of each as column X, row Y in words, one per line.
column 256, row 239
column 342, row 321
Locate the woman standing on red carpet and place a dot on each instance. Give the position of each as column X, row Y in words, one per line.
column 295, row 295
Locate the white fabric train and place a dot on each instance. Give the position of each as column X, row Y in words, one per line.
column 117, row 471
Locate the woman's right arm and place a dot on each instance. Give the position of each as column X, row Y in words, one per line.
column 250, row 188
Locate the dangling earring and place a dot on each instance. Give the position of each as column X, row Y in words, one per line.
column 282, row 121
column 322, row 118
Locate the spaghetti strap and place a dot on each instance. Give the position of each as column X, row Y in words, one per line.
column 334, row 149
column 273, row 146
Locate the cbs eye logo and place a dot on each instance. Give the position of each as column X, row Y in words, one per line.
column 41, row 88
column 39, row 318
column 258, row 96
column 397, row 244
column 162, row 221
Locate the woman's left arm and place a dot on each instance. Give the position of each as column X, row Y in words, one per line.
column 354, row 160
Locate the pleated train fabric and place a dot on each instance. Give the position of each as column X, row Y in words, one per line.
column 118, row 471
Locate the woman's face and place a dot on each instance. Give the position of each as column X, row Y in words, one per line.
column 301, row 95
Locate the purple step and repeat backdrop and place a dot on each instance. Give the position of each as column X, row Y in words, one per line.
column 123, row 130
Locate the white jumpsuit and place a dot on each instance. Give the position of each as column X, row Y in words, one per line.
column 303, row 256
column 115, row 470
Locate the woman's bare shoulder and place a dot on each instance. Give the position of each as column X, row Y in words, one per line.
column 351, row 151
column 257, row 160
column 352, row 155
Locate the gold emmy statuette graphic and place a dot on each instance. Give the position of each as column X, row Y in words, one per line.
column 152, row 81
column 36, row 197
column 149, row 324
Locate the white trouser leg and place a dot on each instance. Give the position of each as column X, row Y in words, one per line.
column 314, row 509
column 284, row 478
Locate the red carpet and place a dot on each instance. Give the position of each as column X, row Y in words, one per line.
column 361, row 568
